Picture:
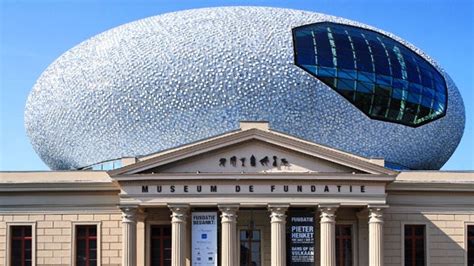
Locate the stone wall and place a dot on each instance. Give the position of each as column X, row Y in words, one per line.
column 445, row 235
column 54, row 235
column 445, row 231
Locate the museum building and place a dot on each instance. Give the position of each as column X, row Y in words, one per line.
column 248, row 197
column 241, row 136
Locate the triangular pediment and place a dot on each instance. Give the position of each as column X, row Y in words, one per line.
column 252, row 156
column 253, row 151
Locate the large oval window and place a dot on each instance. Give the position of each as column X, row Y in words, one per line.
column 380, row 76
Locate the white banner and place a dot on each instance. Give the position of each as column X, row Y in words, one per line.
column 204, row 238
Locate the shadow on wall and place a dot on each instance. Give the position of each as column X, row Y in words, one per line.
column 444, row 237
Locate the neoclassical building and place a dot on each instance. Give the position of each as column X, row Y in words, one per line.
column 253, row 196
column 246, row 136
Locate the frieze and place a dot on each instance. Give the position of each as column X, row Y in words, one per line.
column 247, row 189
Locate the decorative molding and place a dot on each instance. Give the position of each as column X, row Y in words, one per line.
column 430, row 186
column 179, row 212
column 8, row 236
column 129, row 214
column 376, row 213
column 278, row 213
column 60, row 187
column 255, row 176
column 228, row 212
column 328, row 213
column 98, row 225
column 271, row 137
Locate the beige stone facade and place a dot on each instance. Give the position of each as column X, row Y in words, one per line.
column 54, row 235
column 166, row 188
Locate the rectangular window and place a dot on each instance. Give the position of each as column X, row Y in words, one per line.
column 21, row 245
column 470, row 245
column 86, row 245
column 344, row 245
column 160, row 240
column 415, row 250
column 250, row 247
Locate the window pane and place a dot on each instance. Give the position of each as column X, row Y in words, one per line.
column 81, row 231
column 343, row 245
column 16, row 252
column 250, row 247
column 93, row 231
column 256, row 235
column 160, row 249
column 93, row 254
column 414, row 245
column 20, row 241
column 346, row 53
column 17, row 231
column 92, row 244
column 81, row 249
column 470, row 245
column 86, row 244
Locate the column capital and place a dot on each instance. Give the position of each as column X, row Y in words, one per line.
column 278, row 212
column 129, row 214
column 328, row 212
column 363, row 214
column 229, row 212
column 376, row 213
column 179, row 212
column 141, row 215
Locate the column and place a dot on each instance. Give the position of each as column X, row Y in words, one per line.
column 363, row 236
column 278, row 229
column 141, row 237
column 328, row 234
column 129, row 236
column 179, row 213
column 229, row 234
column 376, row 235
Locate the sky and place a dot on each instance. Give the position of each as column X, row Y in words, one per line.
column 33, row 33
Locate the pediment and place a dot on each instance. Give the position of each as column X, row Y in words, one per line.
column 253, row 156
column 252, row 151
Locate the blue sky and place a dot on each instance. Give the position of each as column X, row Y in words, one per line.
column 34, row 33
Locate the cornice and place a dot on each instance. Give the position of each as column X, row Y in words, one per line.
column 274, row 138
column 59, row 187
column 431, row 186
column 256, row 177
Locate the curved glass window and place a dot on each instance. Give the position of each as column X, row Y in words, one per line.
column 380, row 76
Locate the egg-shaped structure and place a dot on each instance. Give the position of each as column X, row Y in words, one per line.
column 172, row 79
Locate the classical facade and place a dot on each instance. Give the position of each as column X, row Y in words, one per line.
column 151, row 165
column 252, row 196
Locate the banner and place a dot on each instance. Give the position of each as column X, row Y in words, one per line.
column 300, row 248
column 204, row 238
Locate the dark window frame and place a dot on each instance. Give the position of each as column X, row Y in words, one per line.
column 340, row 239
column 23, row 238
column 88, row 237
column 250, row 241
column 413, row 238
column 469, row 247
column 161, row 238
column 386, row 119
